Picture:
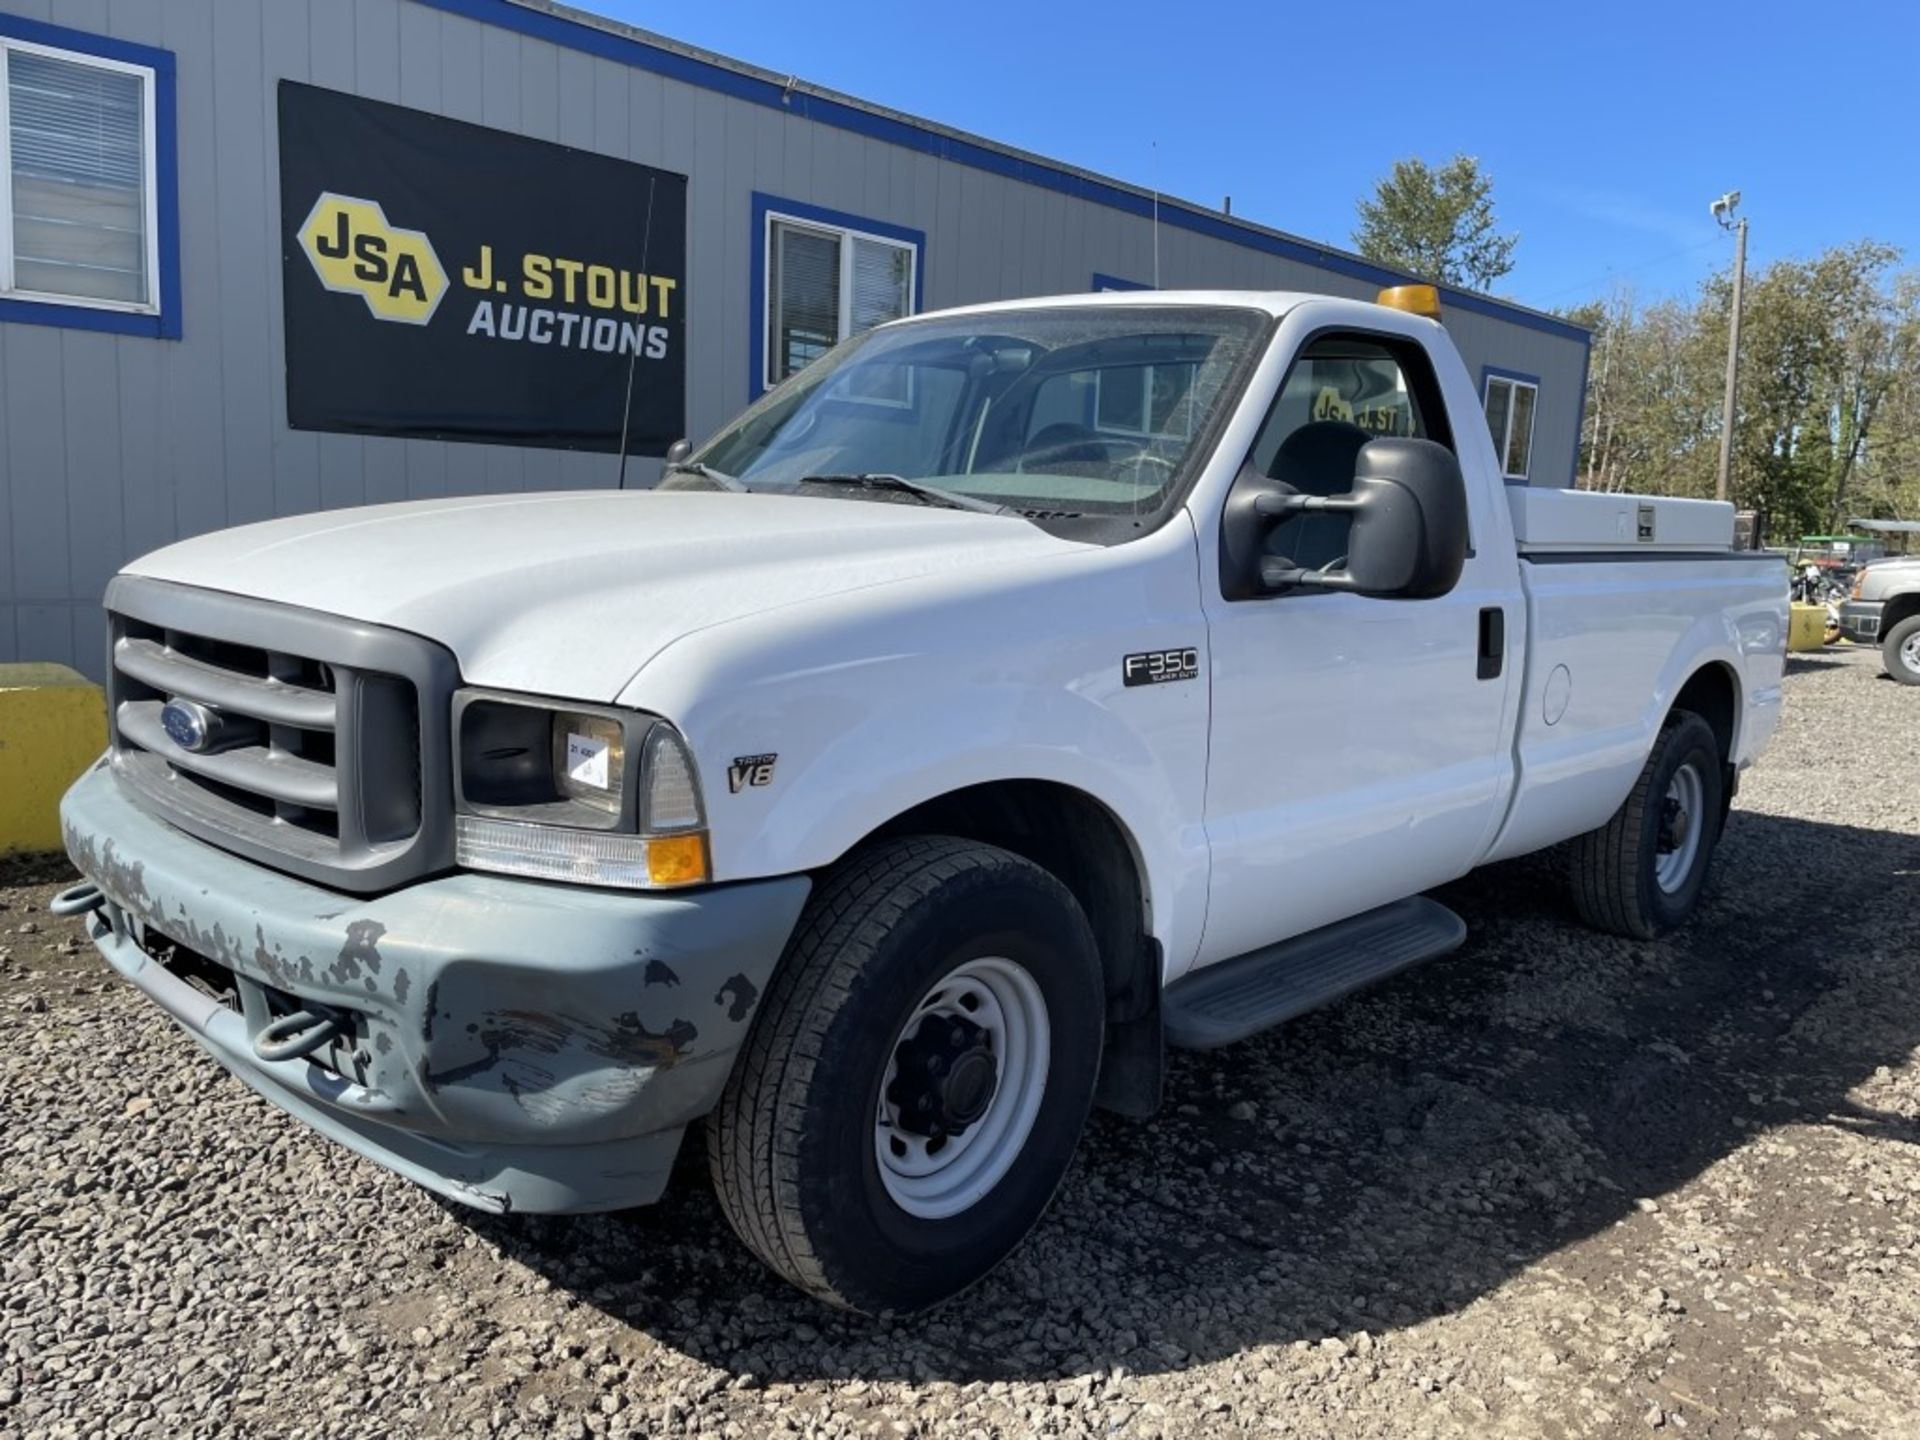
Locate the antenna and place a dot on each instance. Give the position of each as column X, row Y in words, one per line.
column 1156, row 214
column 633, row 358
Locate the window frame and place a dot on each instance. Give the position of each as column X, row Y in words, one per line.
column 1514, row 380
column 769, row 211
column 158, row 316
column 1422, row 385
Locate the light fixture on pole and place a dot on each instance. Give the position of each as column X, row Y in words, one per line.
column 1723, row 209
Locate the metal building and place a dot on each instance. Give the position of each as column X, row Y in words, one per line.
column 261, row 258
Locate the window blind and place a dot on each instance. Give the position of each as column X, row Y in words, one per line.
column 79, row 176
column 806, row 302
column 882, row 275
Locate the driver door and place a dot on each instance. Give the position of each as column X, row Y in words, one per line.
column 1358, row 745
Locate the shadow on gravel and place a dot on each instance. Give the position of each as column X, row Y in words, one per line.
column 1808, row 660
column 1409, row 1151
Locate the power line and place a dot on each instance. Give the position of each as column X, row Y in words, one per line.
column 1617, row 273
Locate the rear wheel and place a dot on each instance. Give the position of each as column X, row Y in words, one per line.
column 1641, row 873
column 1900, row 651
column 916, row 1081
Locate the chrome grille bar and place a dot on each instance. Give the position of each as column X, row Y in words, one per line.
column 259, row 769
column 275, row 701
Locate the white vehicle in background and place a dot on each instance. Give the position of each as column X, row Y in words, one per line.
column 1016, row 690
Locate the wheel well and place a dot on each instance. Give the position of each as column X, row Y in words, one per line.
column 1713, row 695
column 1899, row 608
column 1078, row 840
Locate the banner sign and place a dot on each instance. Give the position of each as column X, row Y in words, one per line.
column 447, row 281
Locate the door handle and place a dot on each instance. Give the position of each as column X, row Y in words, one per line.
column 1493, row 642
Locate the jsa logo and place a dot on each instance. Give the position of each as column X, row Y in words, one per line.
column 356, row 252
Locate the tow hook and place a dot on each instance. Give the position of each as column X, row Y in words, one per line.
column 81, row 899
column 304, row 1031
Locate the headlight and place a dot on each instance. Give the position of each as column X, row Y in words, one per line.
column 588, row 794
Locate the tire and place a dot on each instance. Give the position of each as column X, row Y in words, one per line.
column 795, row 1143
column 1635, row 876
column 1900, row 651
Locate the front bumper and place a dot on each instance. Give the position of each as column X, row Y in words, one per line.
column 1860, row 620
column 512, row 1045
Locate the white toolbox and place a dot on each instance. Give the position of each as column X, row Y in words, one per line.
column 1548, row 521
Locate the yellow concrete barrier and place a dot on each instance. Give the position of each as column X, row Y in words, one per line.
column 53, row 724
column 1807, row 627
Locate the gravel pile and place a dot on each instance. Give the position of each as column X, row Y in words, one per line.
column 1554, row 1184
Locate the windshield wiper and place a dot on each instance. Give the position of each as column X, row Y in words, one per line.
column 878, row 480
column 719, row 479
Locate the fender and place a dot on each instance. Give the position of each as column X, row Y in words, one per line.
column 858, row 707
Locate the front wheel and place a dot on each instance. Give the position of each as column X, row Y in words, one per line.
column 917, row 1079
column 1641, row 873
column 1900, row 651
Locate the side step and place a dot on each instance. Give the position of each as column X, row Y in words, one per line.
column 1253, row 992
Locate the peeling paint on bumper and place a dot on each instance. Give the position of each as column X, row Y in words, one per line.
column 517, row 1045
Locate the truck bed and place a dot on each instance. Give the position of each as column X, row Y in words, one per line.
column 1615, row 630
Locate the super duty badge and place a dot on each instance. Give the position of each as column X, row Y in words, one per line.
column 1158, row 667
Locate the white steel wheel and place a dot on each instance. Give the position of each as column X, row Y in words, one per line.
column 1682, row 818
column 965, row 1077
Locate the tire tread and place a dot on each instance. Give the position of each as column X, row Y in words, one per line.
column 755, row 1175
column 1605, row 865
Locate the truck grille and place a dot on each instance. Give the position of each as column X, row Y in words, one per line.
column 328, row 752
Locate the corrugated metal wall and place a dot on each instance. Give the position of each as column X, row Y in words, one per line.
column 114, row 445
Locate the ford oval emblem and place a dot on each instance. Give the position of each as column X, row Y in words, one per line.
column 188, row 724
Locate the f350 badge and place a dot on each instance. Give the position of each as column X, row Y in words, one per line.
column 1159, row 667
column 754, row 770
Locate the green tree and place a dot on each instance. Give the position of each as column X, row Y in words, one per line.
column 1828, row 408
column 1436, row 223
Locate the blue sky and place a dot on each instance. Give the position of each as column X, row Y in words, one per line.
column 1607, row 127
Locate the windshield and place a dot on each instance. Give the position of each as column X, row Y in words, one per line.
column 1071, row 414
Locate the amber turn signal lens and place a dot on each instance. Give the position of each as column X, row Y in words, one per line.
column 677, row 859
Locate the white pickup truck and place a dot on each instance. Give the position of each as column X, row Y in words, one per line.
column 1014, row 692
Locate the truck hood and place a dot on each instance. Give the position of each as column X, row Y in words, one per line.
column 572, row 594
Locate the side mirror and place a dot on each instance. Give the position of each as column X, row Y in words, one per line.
column 1409, row 534
column 678, row 452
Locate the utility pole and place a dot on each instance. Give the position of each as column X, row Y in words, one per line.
column 1723, row 209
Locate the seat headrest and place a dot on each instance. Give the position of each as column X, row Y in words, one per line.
column 1319, row 457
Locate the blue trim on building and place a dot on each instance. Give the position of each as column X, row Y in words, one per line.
column 763, row 205
column 1114, row 282
column 166, row 180
column 692, row 70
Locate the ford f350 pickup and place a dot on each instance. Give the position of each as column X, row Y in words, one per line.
column 1015, row 691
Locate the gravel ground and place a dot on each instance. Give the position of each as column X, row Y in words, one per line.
column 1555, row 1184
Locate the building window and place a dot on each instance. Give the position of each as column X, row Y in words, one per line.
column 79, row 199
column 1510, row 401
column 826, row 277
column 86, row 172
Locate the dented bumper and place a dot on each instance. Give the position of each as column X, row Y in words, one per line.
column 510, row 1044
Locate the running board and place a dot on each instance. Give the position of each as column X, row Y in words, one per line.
column 1253, row 992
